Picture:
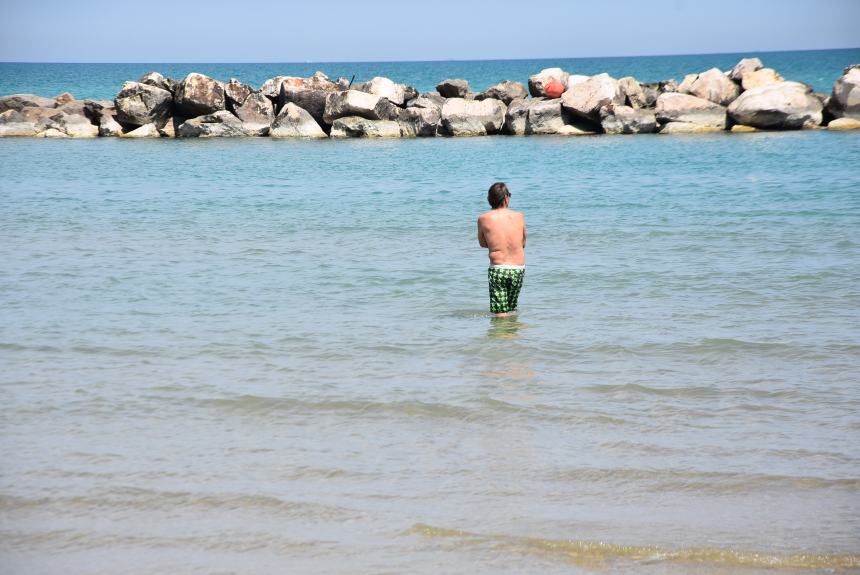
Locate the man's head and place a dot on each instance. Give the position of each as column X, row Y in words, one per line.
column 497, row 195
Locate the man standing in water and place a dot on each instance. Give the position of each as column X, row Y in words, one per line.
column 503, row 232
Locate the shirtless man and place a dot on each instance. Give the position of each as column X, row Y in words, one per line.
column 503, row 232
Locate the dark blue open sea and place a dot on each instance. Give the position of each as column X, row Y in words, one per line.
column 258, row 356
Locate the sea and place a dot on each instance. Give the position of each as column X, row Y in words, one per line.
column 254, row 356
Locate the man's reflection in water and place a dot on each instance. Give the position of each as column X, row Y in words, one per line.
column 505, row 327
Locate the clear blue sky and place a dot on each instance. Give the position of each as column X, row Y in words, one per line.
column 340, row 30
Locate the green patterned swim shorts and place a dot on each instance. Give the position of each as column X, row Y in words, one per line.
column 505, row 284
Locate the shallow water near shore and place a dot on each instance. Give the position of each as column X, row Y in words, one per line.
column 266, row 356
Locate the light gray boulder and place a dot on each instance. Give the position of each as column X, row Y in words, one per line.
column 538, row 81
column 140, row 104
column 715, row 86
column 507, row 91
column 356, row 103
column 257, row 112
column 73, row 122
column 677, row 113
column 669, row 85
column 516, row 116
column 358, row 127
column 221, row 124
column 461, row 117
column 785, row 106
column 545, row 116
column 21, row 123
column 574, row 79
column 687, row 83
column 759, row 78
column 616, row 119
column 146, row 131
column 634, row 94
column 427, row 100
column 845, row 98
column 199, row 95
column 420, row 122
column 586, row 98
column 295, row 122
column 236, row 92
column 745, row 66
column 159, row 81
column 454, row 89
column 19, row 101
column 386, row 88
column 271, row 88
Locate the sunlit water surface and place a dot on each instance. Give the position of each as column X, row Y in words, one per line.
column 275, row 357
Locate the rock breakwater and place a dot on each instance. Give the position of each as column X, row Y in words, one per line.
column 748, row 97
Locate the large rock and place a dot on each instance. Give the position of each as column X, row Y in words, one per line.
column 786, row 105
column 545, row 117
column 140, row 104
column 759, row 78
column 846, row 123
column 454, row 89
column 516, row 116
column 507, row 91
column 271, row 88
column 221, row 124
column 845, row 98
column 28, row 121
column 356, row 103
column 236, row 92
column 678, row 112
column 687, row 83
column 357, row 127
column 634, row 94
column 745, row 66
column 427, row 100
column 461, row 117
column 19, row 101
column 715, row 86
column 617, row 119
column 257, row 112
column 146, row 131
column 73, row 123
column 586, row 98
column 157, row 80
column 418, row 121
column 295, row 122
column 544, row 77
column 199, row 95
column 63, row 99
column 311, row 100
column 395, row 93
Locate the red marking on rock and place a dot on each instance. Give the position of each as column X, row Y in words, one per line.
column 554, row 89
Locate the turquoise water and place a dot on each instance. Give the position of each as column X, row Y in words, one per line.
column 262, row 356
column 819, row 68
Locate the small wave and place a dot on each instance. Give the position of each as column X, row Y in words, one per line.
column 704, row 481
column 589, row 553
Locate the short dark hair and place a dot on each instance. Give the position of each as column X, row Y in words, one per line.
column 497, row 194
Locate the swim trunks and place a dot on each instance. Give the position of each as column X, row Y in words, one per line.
column 505, row 284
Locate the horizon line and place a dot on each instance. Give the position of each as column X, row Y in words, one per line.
column 741, row 52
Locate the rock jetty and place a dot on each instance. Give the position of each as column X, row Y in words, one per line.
column 748, row 97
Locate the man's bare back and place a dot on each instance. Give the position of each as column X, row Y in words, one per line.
column 503, row 232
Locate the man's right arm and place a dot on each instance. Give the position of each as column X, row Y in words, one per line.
column 482, row 241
